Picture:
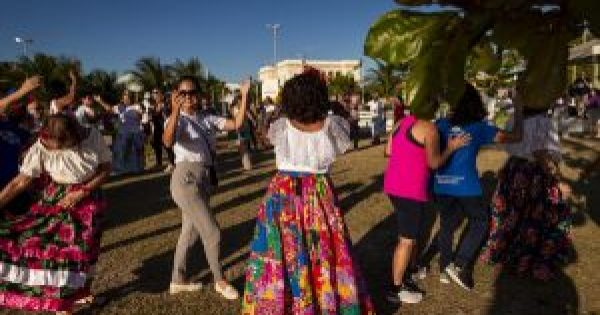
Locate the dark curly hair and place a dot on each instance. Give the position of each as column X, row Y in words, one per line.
column 305, row 99
column 469, row 109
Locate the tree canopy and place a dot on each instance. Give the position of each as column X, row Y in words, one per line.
column 437, row 45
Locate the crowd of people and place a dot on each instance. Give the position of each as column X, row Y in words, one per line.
column 301, row 259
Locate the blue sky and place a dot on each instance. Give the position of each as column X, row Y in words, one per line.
column 229, row 37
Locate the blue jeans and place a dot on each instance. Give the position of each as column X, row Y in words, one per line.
column 451, row 212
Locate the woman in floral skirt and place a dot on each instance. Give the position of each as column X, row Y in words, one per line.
column 530, row 219
column 301, row 260
column 46, row 254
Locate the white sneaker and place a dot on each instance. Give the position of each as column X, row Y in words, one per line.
column 175, row 288
column 227, row 291
column 409, row 296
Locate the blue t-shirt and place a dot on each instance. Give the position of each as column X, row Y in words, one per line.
column 12, row 142
column 459, row 176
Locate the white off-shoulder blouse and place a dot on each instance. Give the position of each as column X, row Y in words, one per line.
column 68, row 166
column 309, row 152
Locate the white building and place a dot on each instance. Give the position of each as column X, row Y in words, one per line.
column 272, row 78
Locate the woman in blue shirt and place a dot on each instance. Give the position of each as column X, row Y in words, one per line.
column 457, row 187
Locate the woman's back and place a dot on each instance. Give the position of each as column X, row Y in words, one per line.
column 310, row 150
column 407, row 173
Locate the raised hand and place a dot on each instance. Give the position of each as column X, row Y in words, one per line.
column 31, row 84
column 245, row 86
column 458, row 141
column 176, row 101
column 72, row 75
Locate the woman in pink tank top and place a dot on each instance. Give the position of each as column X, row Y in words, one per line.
column 414, row 150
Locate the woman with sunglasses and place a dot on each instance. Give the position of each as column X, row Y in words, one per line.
column 191, row 134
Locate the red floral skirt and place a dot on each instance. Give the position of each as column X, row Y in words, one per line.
column 46, row 254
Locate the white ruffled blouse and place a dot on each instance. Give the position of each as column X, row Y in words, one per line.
column 539, row 134
column 68, row 166
column 309, row 152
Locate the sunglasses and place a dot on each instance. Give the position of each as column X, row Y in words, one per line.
column 185, row 93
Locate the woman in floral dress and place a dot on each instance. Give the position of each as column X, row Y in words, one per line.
column 47, row 252
column 301, row 260
column 530, row 224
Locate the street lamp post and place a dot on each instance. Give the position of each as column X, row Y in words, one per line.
column 274, row 28
column 24, row 42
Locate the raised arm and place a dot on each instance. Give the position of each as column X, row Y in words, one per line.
column 432, row 146
column 516, row 134
column 68, row 99
column 237, row 121
column 29, row 85
column 171, row 128
column 107, row 107
column 14, row 188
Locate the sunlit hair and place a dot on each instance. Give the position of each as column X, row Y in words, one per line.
column 63, row 129
column 189, row 78
column 305, row 98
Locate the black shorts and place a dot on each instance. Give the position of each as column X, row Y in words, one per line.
column 409, row 214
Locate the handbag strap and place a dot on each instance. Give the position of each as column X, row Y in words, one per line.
column 201, row 131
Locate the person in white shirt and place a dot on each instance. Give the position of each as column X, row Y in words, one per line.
column 128, row 148
column 377, row 119
column 51, row 248
column 191, row 134
column 85, row 114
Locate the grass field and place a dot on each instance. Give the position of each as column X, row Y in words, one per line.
column 142, row 227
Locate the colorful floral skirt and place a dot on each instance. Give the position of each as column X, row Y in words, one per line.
column 530, row 221
column 46, row 254
column 301, row 260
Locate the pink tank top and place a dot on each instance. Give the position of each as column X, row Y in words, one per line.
column 407, row 173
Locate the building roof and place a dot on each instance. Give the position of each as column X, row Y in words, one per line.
column 585, row 50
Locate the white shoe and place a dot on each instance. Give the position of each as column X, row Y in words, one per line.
column 175, row 288
column 227, row 291
column 409, row 296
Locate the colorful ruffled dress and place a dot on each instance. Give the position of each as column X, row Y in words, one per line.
column 46, row 253
column 301, row 258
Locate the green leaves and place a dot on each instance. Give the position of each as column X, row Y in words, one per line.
column 437, row 45
column 399, row 36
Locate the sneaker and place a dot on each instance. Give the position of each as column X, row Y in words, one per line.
column 409, row 294
column 175, row 288
column 227, row 291
column 460, row 276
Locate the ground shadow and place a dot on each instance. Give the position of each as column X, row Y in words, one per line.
column 154, row 274
column 515, row 295
column 358, row 195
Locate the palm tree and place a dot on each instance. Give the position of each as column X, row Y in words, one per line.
column 342, row 84
column 385, row 78
column 193, row 67
column 103, row 83
column 151, row 72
